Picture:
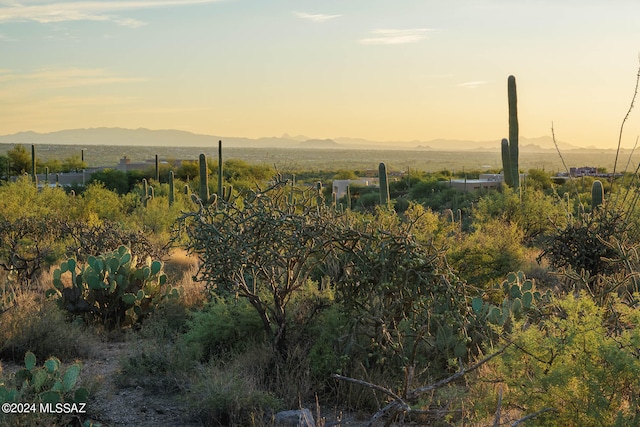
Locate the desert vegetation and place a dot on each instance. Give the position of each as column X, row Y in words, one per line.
column 260, row 291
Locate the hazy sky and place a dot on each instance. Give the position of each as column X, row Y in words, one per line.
column 375, row 69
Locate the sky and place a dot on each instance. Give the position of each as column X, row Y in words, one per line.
column 385, row 70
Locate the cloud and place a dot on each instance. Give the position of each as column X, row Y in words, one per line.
column 56, row 11
column 315, row 17
column 472, row 85
column 55, row 78
column 389, row 36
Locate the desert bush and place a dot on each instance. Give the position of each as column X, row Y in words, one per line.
column 404, row 305
column 233, row 394
column 40, row 327
column 156, row 365
column 488, row 253
column 98, row 203
column 582, row 244
column 534, row 212
column 27, row 245
column 263, row 249
column 573, row 365
column 85, row 240
column 224, row 329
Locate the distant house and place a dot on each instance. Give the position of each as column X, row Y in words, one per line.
column 486, row 181
column 340, row 185
column 583, row 171
column 127, row 165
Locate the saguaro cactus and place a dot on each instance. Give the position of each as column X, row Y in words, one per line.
column 220, row 189
column 597, row 195
column 384, row 184
column 513, row 131
column 147, row 191
column 204, row 196
column 172, row 190
column 34, row 177
column 506, row 162
column 510, row 151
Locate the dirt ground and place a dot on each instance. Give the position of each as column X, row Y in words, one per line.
column 113, row 406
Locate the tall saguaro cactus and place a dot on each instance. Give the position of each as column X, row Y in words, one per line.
column 510, row 152
column 384, row 184
column 172, row 190
column 220, row 190
column 597, row 195
column 34, row 177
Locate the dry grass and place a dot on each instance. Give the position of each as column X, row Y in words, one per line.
column 181, row 268
column 36, row 324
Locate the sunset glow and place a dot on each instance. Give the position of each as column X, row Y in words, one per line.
column 383, row 70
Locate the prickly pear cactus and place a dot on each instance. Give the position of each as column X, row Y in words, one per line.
column 520, row 299
column 112, row 287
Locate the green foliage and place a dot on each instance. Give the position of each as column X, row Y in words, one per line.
column 156, row 366
column 21, row 199
column 224, row 329
column 262, row 248
column 404, row 304
column 538, row 179
column 345, row 174
column 98, row 204
column 535, row 213
column 573, row 364
column 488, row 253
column 112, row 288
column 19, row 160
column 112, row 179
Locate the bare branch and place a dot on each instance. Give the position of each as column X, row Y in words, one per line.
column 532, row 416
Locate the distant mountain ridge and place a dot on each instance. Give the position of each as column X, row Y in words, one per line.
column 172, row 137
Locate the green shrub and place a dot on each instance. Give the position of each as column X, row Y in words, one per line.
column 40, row 327
column 576, row 363
column 494, row 249
column 157, row 366
column 224, row 329
column 232, row 394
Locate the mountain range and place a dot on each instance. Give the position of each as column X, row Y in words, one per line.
column 172, row 137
